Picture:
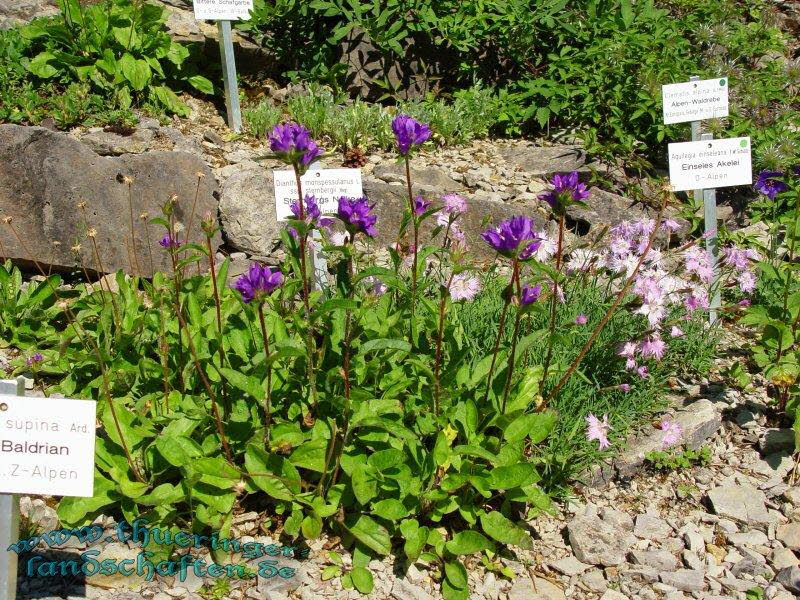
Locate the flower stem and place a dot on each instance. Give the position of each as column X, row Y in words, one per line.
column 218, row 307
column 134, row 254
column 609, row 313
column 553, row 304
column 310, row 350
column 268, row 396
column 439, row 335
column 513, row 356
column 501, row 326
column 416, row 244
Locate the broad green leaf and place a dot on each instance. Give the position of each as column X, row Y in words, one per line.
column 369, row 533
column 362, row 580
column 456, row 574
column 310, row 455
column 468, row 542
column 504, row 531
column 272, row 473
column 390, row 509
column 511, row 476
column 136, row 71
column 365, row 484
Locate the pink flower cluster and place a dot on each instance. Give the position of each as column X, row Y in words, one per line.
column 741, row 262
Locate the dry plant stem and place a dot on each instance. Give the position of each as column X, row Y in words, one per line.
column 348, row 324
column 790, row 261
column 218, row 307
column 609, row 313
column 500, row 330
column 149, row 249
column 553, row 303
column 209, row 391
column 439, row 335
column 163, row 351
column 83, row 337
column 268, row 395
column 133, row 234
column 191, row 214
column 513, row 356
column 176, row 279
column 312, row 376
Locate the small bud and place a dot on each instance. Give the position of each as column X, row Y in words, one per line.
column 91, row 232
column 7, row 220
column 144, row 216
column 127, row 180
column 200, row 175
column 81, row 205
column 76, row 248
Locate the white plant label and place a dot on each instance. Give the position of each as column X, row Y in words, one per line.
column 222, row 10
column 695, row 100
column 710, row 164
column 47, row 446
column 326, row 185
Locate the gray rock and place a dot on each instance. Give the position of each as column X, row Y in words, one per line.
column 45, row 174
column 735, row 585
column 749, row 565
column 43, row 517
column 117, row 552
column 403, row 590
column 617, row 518
column 698, row 420
column 595, row 581
column 525, row 589
column 613, row 595
column 743, row 503
column 650, row 527
column 789, row 534
column 107, row 143
column 641, row 574
column 596, row 542
column 776, row 440
column 247, row 211
column 569, row 566
column 790, row 579
column 783, row 558
column 749, row 538
column 608, row 209
column 433, row 177
column 686, row 580
column 282, row 582
column 658, row 559
column 545, row 161
column 17, row 12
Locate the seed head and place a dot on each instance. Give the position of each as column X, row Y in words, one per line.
column 7, row 220
column 92, row 232
column 200, row 175
column 81, row 205
column 76, row 248
column 144, row 216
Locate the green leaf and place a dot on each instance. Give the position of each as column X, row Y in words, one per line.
column 536, row 425
column 178, row 450
column 201, row 84
column 136, row 71
column 362, row 580
column 468, row 542
column 511, row 476
column 40, row 65
column 369, row 533
column 311, row 526
column 74, row 511
column 456, row 574
column 384, row 344
column 365, row 484
column 450, row 592
column 170, row 101
column 504, row 531
column 390, row 509
column 285, row 480
column 310, row 455
column 249, row 385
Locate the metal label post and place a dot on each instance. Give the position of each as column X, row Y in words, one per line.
column 710, row 217
column 9, row 518
column 229, row 76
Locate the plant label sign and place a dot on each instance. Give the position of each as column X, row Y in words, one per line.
column 326, row 185
column 710, row 164
column 222, row 10
column 695, row 100
column 47, row 446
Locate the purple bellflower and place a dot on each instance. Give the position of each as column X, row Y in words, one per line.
column 258, row 283
column 292, row 143
column 770, row 185
column 514, row 238
column 567, row 190
column 409, row 133
column 356, row 215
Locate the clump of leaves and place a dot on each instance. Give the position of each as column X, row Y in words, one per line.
column 678, row 460
column 119, row 48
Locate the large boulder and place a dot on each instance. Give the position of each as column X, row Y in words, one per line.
column 247, row 213
column 44, row 175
